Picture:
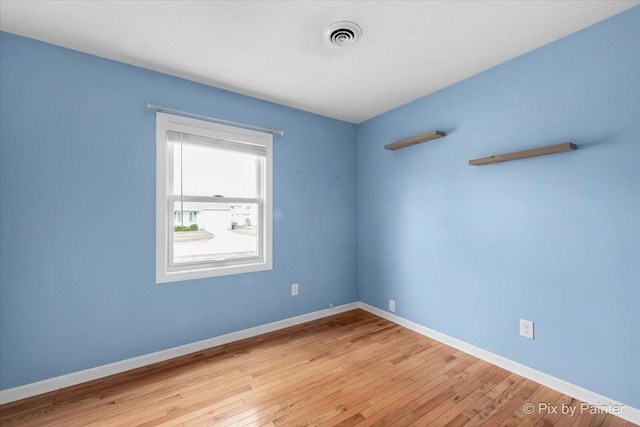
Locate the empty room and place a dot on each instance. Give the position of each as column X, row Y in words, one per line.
column 296, row 213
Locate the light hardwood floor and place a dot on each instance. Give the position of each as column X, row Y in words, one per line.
column 350, row 369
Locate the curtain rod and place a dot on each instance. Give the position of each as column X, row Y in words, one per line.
column 213, row 119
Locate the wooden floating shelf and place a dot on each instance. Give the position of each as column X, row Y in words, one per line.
column 415, row 140
column 541, row 151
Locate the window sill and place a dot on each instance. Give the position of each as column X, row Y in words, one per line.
column 202, row 273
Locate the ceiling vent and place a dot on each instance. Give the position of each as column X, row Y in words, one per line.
column 344, row 33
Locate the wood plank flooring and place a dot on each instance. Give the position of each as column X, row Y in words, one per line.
column 351, row 369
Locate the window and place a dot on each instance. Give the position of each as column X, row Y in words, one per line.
column 213, row 199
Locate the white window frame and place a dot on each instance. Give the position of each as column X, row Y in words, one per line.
column 166, row 271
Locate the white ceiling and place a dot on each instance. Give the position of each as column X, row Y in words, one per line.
column 276, row 50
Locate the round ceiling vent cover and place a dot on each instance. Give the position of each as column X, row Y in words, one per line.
column 344, row 33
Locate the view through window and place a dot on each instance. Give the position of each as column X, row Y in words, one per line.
column 213, row 231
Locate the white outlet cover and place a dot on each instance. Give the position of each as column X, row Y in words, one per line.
column 392, row 306
column 294, row 289
column 526, row 328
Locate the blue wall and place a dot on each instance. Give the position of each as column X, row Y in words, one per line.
column 469, row 250
column 77, row 228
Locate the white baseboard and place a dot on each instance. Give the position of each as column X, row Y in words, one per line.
column 33, row 389
column 28, row 390
column 627, row 412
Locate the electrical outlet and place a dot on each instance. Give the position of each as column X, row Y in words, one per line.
column 392, row 306
column 294, row 289
column 526, row 328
